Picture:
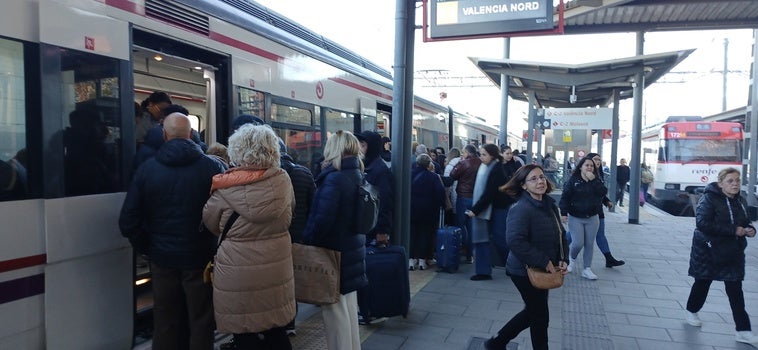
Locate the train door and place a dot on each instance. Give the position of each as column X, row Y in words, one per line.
column 195, row 79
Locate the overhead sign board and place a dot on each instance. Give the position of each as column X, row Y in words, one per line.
column 459, row 18
column 580, row 118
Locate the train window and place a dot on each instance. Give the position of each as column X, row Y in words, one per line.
column 251, row 102
column 13, row 138
column 91, row 135
column 290, row 114
column 304, row 146
column 336, row 120
column 368, row 123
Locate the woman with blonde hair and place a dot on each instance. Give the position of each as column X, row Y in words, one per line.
column 332, row 224
column 253, row 287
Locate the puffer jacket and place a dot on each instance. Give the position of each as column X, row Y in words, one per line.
column 582, row 199
column 305, row 188
column 713, row 221
column 165, row 201
column 331, row 223
column 465, row 173
column 533, row 233
column 253, row 287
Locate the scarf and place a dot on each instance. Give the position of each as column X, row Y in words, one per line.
column 481, row 185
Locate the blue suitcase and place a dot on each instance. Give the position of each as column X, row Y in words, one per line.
column 388, row 292
column 448, row 249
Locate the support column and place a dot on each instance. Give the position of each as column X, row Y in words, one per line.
column 503, row 135
column 634, row 179
column 530, row 126
column 614, row 150
column 402, row 118
column 752, row 114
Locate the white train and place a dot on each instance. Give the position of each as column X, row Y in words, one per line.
column 71, row 72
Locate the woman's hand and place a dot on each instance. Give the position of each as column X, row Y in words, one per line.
column 588, row 175
column 745, row 231
column 470, row 213
column 563, row 267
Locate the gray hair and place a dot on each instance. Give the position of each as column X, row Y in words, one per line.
column 423, row 161
column 254, row 145
column 421, row 149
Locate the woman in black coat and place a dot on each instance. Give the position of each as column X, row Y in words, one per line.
column 427, row 198
column 537, row 239
column 718, row 250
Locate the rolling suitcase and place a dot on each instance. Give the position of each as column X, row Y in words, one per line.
column 388, row 292
column 447, row 252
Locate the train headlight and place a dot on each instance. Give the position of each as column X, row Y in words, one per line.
column 672, row 187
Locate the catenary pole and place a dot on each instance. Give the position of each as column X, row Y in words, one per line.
column 503, row 136
column 634, row 179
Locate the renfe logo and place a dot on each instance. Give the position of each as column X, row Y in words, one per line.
column 89, row 43
column 704, row 179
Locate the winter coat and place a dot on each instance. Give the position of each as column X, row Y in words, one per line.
column 533, row 233
column 622, row 174
column 493, row 196
column 305, row 189
column 254, row 285
column 165, row 203
column 331, row 223
column 582, row 199
column 465, row 173
column 714, row 222
column 381, row 178
column 427, row 196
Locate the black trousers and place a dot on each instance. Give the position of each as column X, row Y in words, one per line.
column 620, row 193
column 534, row 316
column 182, row 311
column 699, row 293
column 272, row 339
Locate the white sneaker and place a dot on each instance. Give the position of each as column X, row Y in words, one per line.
column 422, row 264
column 746, row 337
column 587, row 273
column 570, row 268
column 693, row 319
column 412, row 264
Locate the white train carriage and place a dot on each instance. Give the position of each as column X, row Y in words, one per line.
column 71, row 73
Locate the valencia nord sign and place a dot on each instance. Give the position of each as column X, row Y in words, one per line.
column 460, row 18
column 580, row 118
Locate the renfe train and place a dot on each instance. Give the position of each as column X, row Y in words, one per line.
column 71, row 71
column 686, row 156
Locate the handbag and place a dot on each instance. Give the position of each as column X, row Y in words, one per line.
column 317, row 274
column 208, row 271
column 539, row 277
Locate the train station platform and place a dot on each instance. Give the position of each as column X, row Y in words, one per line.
column 638, row 306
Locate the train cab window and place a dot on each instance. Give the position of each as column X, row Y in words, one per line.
column 336, row 120
column 251, row 102
column 291, row 114
column 14, row 167
column 90, row 138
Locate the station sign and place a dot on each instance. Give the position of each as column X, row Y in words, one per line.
column 458, row 18
column 580, row 118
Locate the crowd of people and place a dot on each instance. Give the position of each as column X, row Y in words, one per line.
column 183, row 195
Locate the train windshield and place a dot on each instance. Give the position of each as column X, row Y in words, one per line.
column 700, row 151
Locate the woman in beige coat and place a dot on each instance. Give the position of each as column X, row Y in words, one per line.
column 253, row 287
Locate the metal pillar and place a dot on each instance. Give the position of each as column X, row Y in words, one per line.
column 530, row 126
column 614, row 150
column 634, row 179
column 503, row 136
column 752, row 157
column 402, row 118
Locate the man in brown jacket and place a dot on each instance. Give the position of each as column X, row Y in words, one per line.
column 465, row 173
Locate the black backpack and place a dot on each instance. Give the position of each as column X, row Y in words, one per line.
column 367, row 208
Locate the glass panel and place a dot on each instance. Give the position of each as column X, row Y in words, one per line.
column 303, row 146
column 251, row 102
column 13, row 161
column 368, row 123
column 289, row 114
column 91, row 134
column 336, row 120
column 708, row 151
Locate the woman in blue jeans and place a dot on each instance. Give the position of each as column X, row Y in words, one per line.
column 490, row 206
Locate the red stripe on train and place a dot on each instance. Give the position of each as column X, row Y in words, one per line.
column 20, row 263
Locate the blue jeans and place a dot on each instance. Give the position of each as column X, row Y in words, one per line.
column 464, row 222
column 497, row 230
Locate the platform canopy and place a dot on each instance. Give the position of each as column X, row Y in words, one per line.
column 592, row 83
column 610, row 16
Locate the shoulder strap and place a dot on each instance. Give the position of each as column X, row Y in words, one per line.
column 227, row 227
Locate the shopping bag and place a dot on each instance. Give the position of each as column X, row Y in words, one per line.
column 317, row 274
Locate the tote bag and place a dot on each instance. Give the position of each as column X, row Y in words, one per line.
column 317, row 274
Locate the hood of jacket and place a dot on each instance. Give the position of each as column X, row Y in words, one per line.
column 179, row 152
column 373, row 145
column 714, row 188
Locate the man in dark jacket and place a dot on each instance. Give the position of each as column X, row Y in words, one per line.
column 465, row 173
column 164, row 207
column 622, row 177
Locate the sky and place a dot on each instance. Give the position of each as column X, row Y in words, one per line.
column 695, row 89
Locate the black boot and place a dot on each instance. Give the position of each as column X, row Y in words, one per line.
column 610, row 261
